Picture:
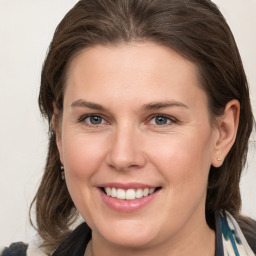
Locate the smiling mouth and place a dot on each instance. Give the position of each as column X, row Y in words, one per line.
column 129, row 194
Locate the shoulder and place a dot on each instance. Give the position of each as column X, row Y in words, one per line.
column 32, row 248
column 76, row 243
column 235, row 235
column 15, row 249
column 248, row 227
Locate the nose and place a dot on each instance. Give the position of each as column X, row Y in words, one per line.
column 126, row 152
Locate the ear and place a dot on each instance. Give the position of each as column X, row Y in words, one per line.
column 227, row 125
column 57, row 128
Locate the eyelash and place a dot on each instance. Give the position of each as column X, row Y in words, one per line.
column 172, row 120
column 83, row 118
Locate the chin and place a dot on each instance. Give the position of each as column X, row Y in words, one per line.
column 133, row 241
column 130, row 236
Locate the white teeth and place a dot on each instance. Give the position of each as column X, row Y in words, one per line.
column 120, row 193
column 152, row 190
column 108, row 191
column 145, row 192
column 139, row 193
column 113, row 192
column 129, row 194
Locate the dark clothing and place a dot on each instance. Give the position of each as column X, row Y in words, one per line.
column 16, row 249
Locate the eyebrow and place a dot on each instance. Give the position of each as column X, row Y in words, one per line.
column 86, row 104
column 166, row 104
column 147, row 107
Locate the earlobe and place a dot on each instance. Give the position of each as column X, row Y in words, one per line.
column 227, row 125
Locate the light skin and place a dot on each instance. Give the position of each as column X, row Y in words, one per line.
column 150, row 125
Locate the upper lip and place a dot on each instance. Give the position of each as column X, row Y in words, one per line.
column 131, row 185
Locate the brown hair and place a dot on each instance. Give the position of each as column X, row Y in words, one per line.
column 194, row 28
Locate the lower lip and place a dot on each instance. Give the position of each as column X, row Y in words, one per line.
column 127, row 205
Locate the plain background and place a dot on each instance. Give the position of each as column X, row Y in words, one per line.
column 26, row 29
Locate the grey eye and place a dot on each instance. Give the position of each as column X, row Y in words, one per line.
column 94, row 120
column 160, row 120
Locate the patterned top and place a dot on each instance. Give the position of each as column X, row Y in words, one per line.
column 230, row 241
column 229, row 237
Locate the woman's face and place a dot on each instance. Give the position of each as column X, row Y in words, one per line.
column 136, row 125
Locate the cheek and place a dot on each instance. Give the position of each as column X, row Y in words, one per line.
column 83, row 157
column 184, row 165
column 184, row 161
column 82, row 154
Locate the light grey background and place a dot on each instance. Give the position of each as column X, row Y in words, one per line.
column 26, row 29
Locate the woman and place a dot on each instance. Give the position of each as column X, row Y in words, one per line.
column 149, row 118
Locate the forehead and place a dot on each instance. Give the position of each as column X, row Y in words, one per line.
column 142, row 71
column 143, row 57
